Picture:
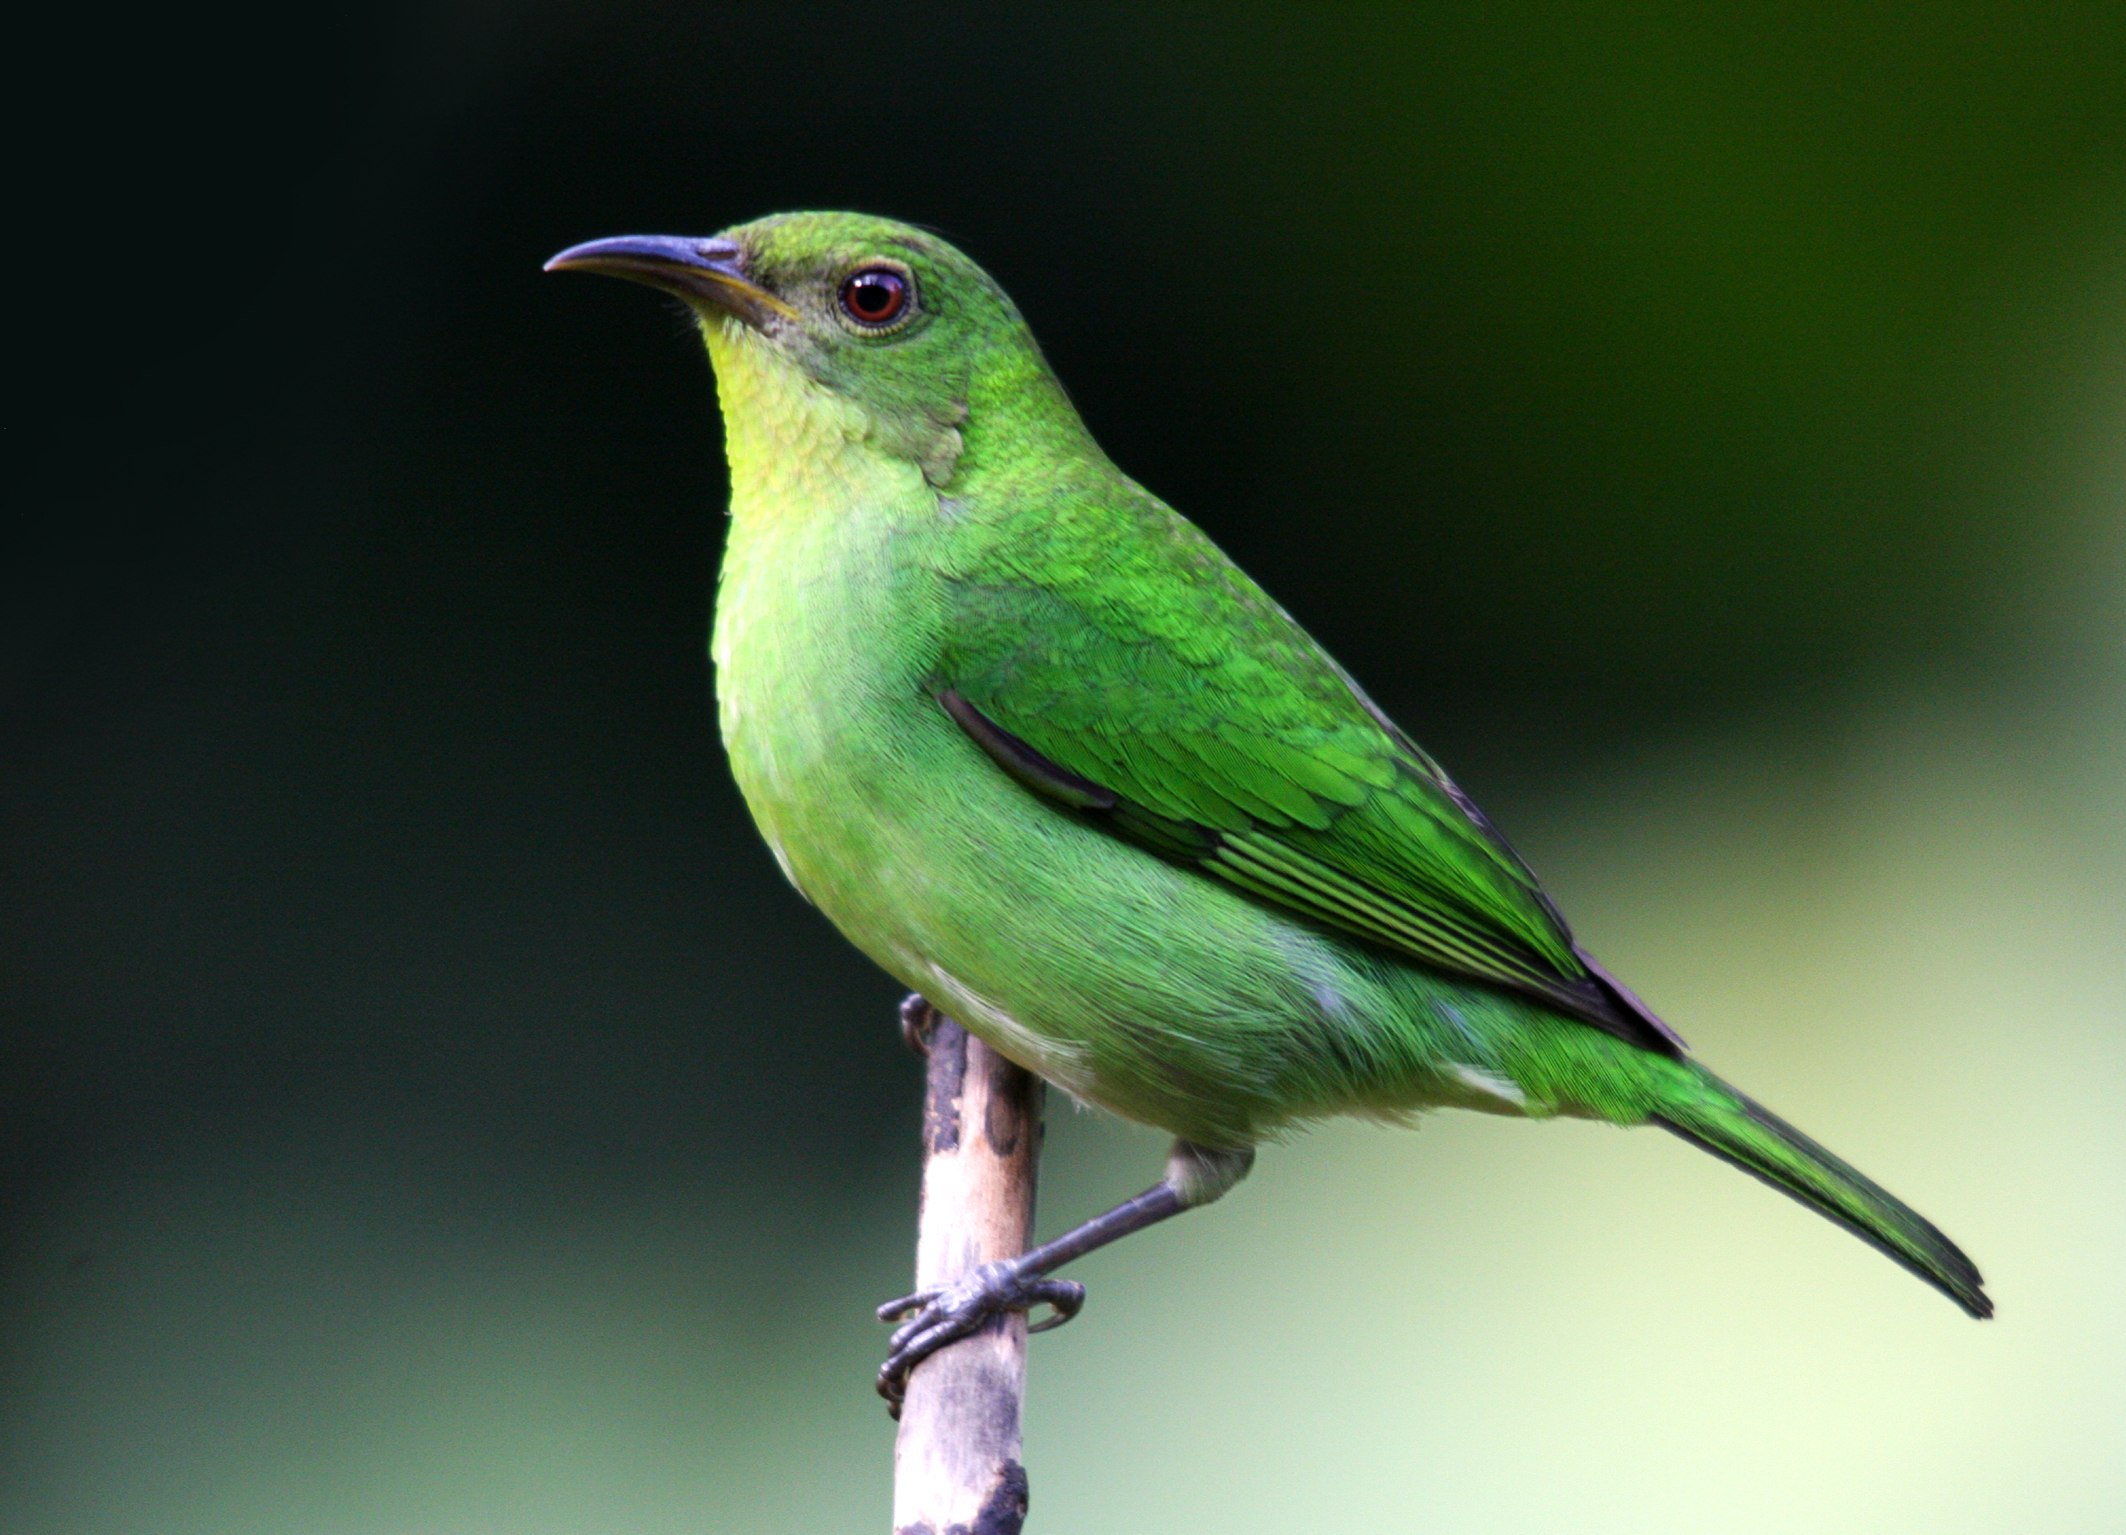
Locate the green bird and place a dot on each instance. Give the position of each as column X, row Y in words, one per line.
column 1038, row 748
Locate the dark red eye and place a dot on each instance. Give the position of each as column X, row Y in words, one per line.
column 875, row 296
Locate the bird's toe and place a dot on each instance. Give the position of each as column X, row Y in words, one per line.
column 934, row 1317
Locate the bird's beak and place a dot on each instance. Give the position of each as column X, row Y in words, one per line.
column 706, row 271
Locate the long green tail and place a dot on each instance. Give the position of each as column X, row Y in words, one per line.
column 1733, row 1128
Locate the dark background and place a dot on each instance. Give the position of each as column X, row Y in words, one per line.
column 1699, row 424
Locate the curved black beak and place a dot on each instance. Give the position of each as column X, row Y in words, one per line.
column 708, row 271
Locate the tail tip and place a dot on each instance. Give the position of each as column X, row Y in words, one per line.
column 1975, row 1300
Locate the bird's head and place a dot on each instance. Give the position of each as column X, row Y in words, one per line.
column 881, row 330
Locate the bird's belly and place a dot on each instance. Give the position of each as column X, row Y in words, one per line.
column 878, row 821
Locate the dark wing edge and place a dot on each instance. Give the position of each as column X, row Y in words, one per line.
column 1630, row 1009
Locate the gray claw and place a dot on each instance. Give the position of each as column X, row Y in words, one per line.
column 918, row 1018
column 907, row 1305
column 932, row 1318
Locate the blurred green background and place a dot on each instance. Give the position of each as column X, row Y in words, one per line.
column 424, row 1109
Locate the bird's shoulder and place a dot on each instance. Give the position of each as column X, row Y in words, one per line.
column 1127, row 616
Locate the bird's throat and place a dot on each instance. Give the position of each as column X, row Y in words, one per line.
column 794, row 446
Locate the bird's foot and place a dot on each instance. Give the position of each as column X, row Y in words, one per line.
column 918, row 1018
column 932, row 1318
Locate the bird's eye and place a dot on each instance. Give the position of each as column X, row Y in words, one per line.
column 875, row 297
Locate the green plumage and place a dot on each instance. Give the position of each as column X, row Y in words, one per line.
column 1036, row 746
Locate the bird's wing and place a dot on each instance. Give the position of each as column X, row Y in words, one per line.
column 1116, row 662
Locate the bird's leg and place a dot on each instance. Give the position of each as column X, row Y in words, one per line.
column 930, row 1319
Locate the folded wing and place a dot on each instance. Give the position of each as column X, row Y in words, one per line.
column 1135, row 677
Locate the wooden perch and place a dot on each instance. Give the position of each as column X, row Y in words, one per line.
column 956, row 1467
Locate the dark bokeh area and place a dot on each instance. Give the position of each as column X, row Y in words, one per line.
column 1661, row 410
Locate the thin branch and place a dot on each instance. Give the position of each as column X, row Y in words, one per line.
column 956, row 1465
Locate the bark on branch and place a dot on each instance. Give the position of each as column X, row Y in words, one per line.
column 956, row 1465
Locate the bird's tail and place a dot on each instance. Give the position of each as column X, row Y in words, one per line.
column 1720, row 1120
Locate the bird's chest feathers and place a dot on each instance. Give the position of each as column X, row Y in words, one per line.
column 827, row 628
